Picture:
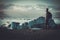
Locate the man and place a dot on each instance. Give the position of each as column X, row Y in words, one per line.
column 48, row 17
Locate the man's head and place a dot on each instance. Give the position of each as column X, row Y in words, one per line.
column 47, row 9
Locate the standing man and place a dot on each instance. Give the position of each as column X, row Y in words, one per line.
column 48, row 17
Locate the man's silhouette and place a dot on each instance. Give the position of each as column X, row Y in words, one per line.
column 48, row 16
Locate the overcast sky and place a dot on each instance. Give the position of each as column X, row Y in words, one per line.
column 30, row 8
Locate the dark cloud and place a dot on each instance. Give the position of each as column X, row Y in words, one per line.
column 57, row 14
column 48, row 1
column 2, row 14
column 55, row 7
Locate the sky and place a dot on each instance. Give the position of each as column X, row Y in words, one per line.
column 29, row 9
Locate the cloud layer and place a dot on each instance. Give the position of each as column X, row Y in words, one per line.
column 29, row 8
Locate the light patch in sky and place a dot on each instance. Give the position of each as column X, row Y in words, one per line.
column 26, row 10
